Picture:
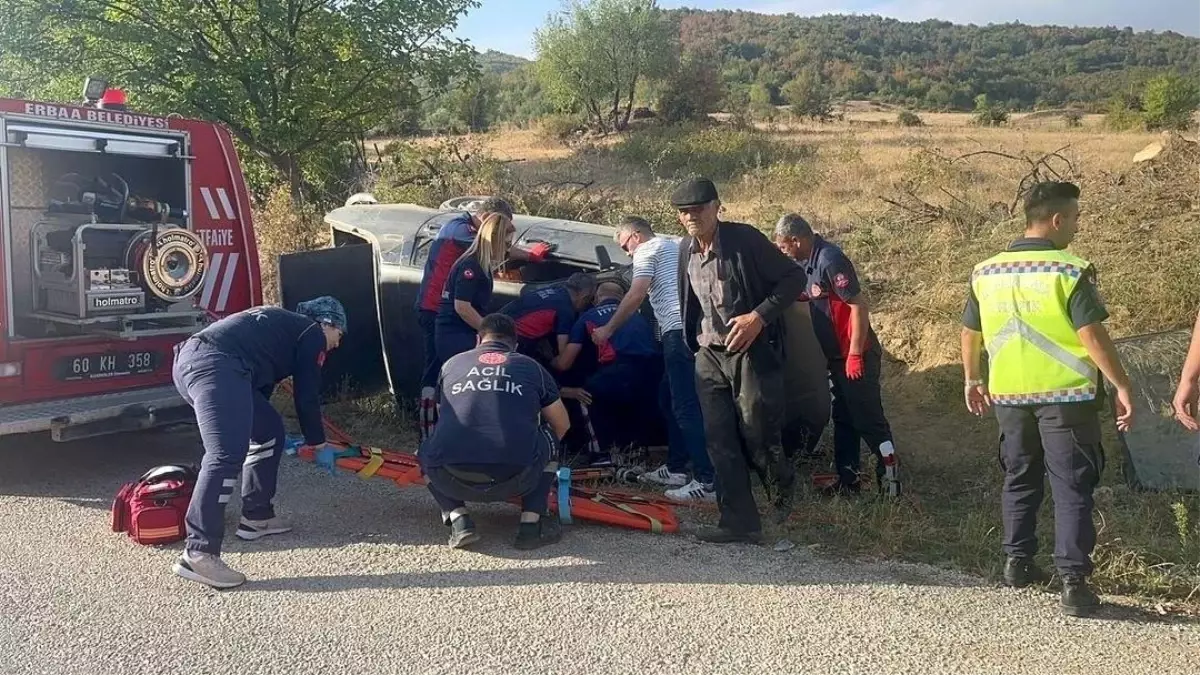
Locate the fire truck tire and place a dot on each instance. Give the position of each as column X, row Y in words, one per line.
column 173, row 268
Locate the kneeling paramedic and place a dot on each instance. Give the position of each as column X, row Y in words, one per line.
column 548, row 314
column 1035, row 309
column 500, row 419
column 226, row 372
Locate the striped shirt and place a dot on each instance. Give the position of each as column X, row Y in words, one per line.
column 658, row 259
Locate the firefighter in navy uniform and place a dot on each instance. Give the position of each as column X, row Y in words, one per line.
column 549, row 313
column 1035, row 309
column 623, row 391
column 842, row 323
column 226, row 373
column 500, row 420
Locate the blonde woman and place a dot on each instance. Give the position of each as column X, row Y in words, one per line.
column 468, row 291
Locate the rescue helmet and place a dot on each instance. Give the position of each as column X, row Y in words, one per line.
column 113, row 99
column 326, row 310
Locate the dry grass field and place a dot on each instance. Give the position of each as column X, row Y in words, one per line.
column 915, row 208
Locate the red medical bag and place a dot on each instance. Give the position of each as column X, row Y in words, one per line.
column 152, row 508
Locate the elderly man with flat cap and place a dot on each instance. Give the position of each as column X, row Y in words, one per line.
column 734, row 285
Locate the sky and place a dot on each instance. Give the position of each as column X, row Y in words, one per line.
column 508, row 25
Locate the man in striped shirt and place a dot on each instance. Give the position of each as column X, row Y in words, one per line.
column 656, row 273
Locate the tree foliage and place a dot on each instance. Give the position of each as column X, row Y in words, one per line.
column 936, row 64
column 988, row 114
column 592, row 56
column 808, row 96
column 1169, row 102
column 292, row 79
column 693, row 91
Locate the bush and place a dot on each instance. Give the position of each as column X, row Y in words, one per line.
column 907, row 118
column 282, row 227
column 1169, row 102
column 559, row 128
column 987, row 114
column 718, row 152
column 430, row 174
column 1121, row 117
column 1073, row 118
column 692, row 92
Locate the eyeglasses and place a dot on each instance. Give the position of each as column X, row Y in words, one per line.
column 624, row 243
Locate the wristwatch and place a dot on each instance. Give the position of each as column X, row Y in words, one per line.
column 973, row 383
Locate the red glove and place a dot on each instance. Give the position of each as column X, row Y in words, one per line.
column 854, row 366
column 539, row 251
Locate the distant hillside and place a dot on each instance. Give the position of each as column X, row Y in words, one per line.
column 935, row 64
column 500, row 63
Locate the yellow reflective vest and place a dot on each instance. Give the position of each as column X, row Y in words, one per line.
column 1035, row 356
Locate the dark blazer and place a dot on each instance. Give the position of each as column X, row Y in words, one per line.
column 767, row 280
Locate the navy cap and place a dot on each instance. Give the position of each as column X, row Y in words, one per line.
column 693, row 192
column 325, row 309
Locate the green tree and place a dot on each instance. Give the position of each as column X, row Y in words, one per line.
column 293, row 81
column 1169, row 102
column 692, row 91
column 761, row 105
column 592, row 56
column 474, row 102
column 808, row 96
column 988, row 114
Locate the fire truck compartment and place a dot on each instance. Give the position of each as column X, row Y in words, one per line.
column 44, row 163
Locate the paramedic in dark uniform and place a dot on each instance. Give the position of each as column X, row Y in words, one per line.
column 1035, row 309
column 734, row 286
column 625, row 386
column 842, row 323
column 226, row 373
column 452, row 240
column 468, row 290
column 550, row 313
column 499, row 424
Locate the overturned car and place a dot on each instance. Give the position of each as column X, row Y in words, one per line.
column 377, row 261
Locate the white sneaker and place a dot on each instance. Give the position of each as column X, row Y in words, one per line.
column 257, row 529
column 207, row 568
column 665, row 477
column 694, row 491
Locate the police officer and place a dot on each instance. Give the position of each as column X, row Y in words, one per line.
column 468, row 290
column 551, row 311
column 622, row 393
column 842, row 323
column 1035, row 309
column 226, row 372
column 497, row 436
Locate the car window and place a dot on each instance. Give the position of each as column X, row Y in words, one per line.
column 573, row 244
column 426, row 235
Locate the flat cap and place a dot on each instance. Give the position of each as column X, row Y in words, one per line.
column 693, row 192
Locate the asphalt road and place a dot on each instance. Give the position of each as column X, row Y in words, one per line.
column 366, row 585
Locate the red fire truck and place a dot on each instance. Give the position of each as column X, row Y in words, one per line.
column 120, row 235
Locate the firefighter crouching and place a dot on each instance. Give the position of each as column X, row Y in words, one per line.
column 500, row 420
column 1035, row 309
column 226, row 373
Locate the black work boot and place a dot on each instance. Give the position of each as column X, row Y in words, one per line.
column 536, row 535
column 462, row 532
column 1078, row 598
column 1020, row 572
